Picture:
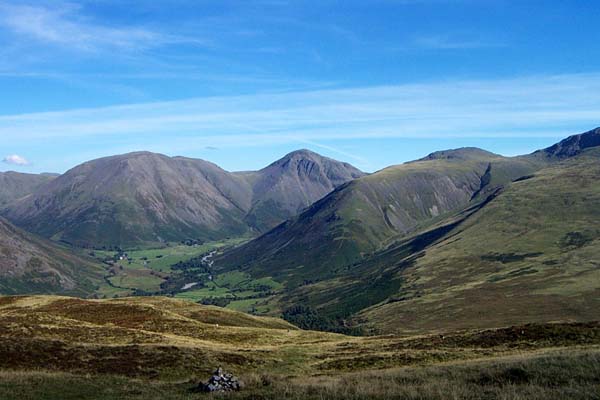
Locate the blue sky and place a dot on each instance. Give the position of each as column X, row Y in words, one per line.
column 241, row 83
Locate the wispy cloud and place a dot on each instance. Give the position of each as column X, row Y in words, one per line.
column 452, row 42
column 63, row 24
column 542, row 106
column 15, row 159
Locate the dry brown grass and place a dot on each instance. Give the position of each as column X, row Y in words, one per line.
column 168, row 342
column 552, row 375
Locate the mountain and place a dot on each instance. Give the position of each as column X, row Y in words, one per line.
column 287, row 186
column 146, row 198
column 530, row 254
column 361, row 216
column 572, row 145
column 14, row 185
column 459, row 239
column 29, row 264
column 136, row 198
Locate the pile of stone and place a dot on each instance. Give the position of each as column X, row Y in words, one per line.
column 221, row 382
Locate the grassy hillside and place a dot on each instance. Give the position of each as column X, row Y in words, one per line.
column 364, row 215
column 136, row 199
column 160, row 348
column 528, row 255
column 29, row 264
column 519, row 239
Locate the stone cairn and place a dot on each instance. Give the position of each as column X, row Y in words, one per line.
column 221, row 382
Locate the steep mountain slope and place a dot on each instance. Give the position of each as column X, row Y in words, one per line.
column 362, row 216
column 14, row 185
column 530, row 254
column 33, row 265
column 289, row 185
column 145, row 198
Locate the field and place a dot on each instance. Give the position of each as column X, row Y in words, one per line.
column 184, row 272
column 241, row 291
column 143, row 271
column 142, row 347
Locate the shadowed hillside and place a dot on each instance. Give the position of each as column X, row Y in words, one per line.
column 29, row 264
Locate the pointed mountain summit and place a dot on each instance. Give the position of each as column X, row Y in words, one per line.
column 287, row 186
column 367, row 214
column 417, row 246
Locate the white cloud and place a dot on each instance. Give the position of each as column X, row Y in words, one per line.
column 543, row 106
column 15, row 159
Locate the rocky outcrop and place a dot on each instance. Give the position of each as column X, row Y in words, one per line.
column 220, row 382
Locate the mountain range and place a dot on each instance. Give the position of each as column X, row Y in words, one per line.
column 416, row 245
column 146, row 198
column 459, row 239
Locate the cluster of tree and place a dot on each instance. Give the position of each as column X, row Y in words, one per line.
column 216, row 301
column 306, row 317
column 192, row 242
column 195, row 263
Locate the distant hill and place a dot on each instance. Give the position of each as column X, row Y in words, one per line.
column 144, row 198
column 29, row 264
column 15, row 185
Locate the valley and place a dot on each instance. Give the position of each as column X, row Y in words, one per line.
column 465, row 268
column 299, row 200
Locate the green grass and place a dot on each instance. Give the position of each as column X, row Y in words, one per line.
column 246, row 294
column 243, row 305
column 211, row 290
column 528, row 255
column 146, row 269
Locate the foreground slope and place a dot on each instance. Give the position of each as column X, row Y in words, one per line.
column 15, row 185
column 146, row 198
column 171, row 339
column 29, row 264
